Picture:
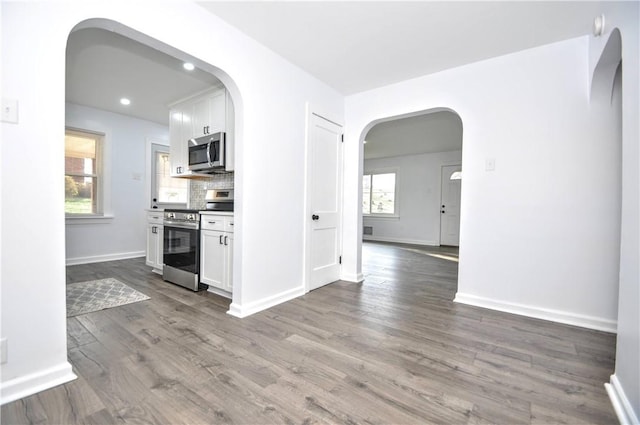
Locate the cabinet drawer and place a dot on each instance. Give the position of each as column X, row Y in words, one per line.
column 228, row 224
column 155, row 217
column 212, row 223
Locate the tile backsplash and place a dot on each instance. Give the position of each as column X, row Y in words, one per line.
column 198, row 188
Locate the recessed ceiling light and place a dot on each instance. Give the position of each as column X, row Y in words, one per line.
column 188, row 66
column 125, row 101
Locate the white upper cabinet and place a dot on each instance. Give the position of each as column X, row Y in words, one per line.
column 209, row 114
column 206, row 113
column 177, row 151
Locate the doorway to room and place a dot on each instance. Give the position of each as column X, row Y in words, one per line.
column 450, row 205
column 158, row 75
column 411, row 204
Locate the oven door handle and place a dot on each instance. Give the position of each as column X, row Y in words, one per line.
column 181, row 225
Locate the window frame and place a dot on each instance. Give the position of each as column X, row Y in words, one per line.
column 371, row 173
column 156, row 147
column 102, row 199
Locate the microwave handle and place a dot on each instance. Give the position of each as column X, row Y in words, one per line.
column 221, row 151
column 209, row 153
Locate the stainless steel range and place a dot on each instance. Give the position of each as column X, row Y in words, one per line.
column 219, row 200
column 181, row 245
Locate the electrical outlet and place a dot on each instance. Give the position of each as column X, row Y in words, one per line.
column 3, row 350
column 10, row 111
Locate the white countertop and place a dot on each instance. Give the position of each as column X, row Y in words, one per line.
column 202, row 212
column 227, row 213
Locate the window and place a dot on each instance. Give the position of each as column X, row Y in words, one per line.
column 166, row 190
column 379, row 194
column 82, row 173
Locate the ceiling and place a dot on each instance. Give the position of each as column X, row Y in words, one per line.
column 103, row 66
column 433, row 132
column 355, row 46
column 352, row 46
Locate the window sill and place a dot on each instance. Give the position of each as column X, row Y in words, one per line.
column 386, row 216
column 164, row 206
column 88, row 219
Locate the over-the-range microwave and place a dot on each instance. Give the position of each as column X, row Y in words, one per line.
column 207, row 154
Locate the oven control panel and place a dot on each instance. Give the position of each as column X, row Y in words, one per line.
column 182, row 216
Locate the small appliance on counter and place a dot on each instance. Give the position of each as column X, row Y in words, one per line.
column 219, row 200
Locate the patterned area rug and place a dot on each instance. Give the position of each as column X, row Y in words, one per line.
column 94, row 295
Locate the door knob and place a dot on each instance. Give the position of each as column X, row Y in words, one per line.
column 442, row 211
column 315, row 217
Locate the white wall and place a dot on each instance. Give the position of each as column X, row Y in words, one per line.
column 418, row 198
column 544, row 234
column 269, row 97
column 125, row 141
column 540, row 234
column 625, row 388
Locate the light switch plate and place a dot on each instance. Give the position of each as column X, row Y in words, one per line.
column 490, row 164
column 10, row 111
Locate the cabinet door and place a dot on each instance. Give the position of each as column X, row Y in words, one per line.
column 200, row 121
column 178, row 141
column 152, row 245
column 209, row 114
column 217, row 112
column 159, row 247
column 228, row 263
column 212, row 256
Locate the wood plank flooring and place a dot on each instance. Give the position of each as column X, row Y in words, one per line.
column 394, row 349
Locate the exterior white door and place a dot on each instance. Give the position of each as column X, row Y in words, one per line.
column 324, row 202
column 450, row 207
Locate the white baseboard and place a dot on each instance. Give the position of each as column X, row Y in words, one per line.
column 219, row 291
column 24, row 386
column 351, row 277
column 244, row 310
column 400, row 240
column 103, row 258
column 568, row 318
column 621, row 404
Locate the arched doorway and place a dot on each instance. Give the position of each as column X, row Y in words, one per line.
column 126, row 46
column 410, row 202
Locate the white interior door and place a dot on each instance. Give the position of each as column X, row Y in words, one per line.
column 450, row 207
column 324, row 188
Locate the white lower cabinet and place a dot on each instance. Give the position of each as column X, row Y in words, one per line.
column 155, row 236
column 216, row 253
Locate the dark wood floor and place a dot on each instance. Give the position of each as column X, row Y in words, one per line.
column 392, row 350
